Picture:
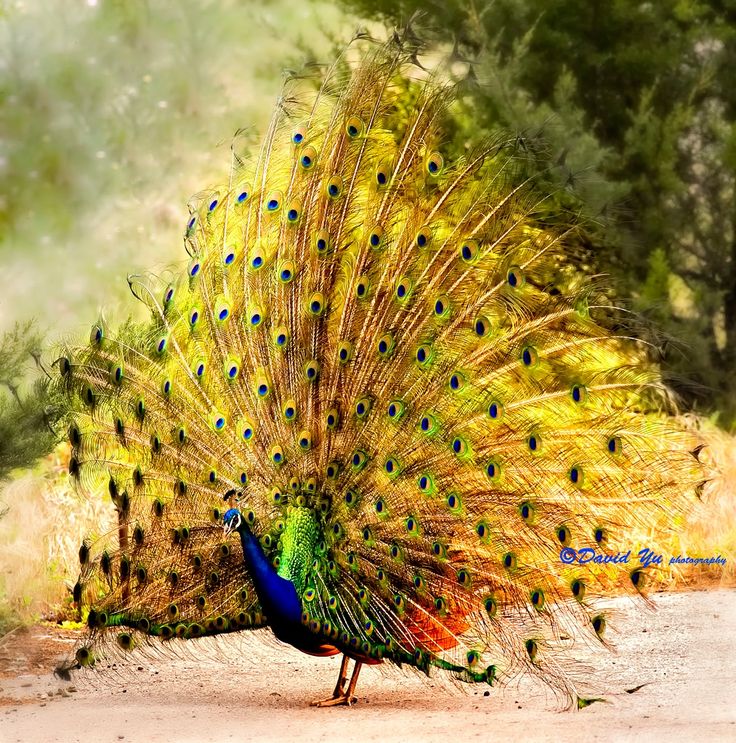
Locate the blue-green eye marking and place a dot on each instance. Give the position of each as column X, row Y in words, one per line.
column 493, row 470
column 423, row 354
column 529, row 356
column 334, row 189
column 490, row 605
column 482, row 326
column 463, row 577
column 396, row 409
column 359, row 459
column 453, row 502
column 242, row 196
column 402, row 289
column 576, row 475
column 495, row 410
column 434, row 163
column 459, row 446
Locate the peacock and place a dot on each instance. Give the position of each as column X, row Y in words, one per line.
column 377, row 407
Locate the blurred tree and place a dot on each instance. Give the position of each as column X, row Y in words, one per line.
column 112, row 114
column 26, row 410
column 636, row 102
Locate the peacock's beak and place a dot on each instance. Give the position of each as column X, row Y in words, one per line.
column 228, row 530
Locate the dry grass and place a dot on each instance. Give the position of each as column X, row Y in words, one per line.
column 40, row 534
column 711, row 527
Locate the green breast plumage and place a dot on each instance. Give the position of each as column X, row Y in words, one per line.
column 298, row 542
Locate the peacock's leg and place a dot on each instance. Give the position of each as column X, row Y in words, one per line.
column 340, row 696
column 353, row 681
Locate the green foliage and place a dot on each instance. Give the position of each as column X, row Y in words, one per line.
column 636, row 107
column 113, row 114
column 26, row 409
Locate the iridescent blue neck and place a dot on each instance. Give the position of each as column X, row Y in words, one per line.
column 277, row 595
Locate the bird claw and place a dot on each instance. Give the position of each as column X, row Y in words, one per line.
column 345, row 699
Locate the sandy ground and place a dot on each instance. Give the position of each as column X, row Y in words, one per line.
column 682, row 656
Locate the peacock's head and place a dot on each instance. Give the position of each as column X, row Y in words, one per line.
column 232, row 521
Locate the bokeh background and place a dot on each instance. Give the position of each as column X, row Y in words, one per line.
column 114, row 112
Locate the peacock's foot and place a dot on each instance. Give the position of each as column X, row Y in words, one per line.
column 347, row 699
column 341, row 695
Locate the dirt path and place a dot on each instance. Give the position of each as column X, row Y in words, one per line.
column 684, row 654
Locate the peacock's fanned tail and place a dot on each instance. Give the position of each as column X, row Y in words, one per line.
column 396, row 341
